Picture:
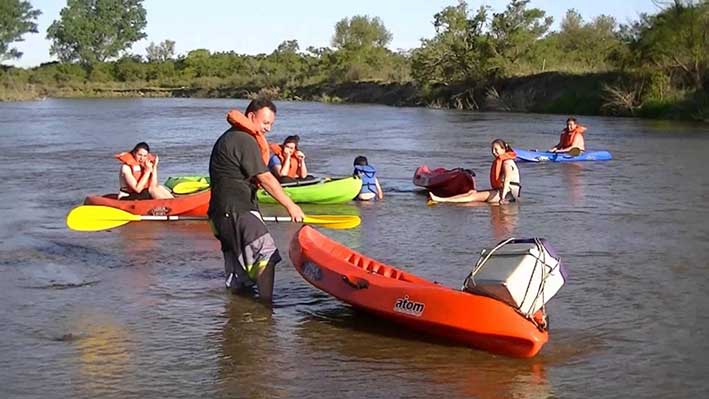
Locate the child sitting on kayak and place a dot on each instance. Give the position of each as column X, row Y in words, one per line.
column 370, row 184
column 138, row 177
column 504, row 179
column 287, row 162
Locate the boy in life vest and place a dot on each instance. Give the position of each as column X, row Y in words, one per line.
column 370, row 184
column 138, row 177
column 571, row 137
column 504, row 179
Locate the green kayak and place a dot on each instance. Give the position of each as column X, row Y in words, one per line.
column 172, row 181
column 320, row 191
column 334, row 191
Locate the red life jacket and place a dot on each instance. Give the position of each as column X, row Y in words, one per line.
column 294, row 169
column 239, row 121
column 496, row 169
column 567, row 137
column 126, row 158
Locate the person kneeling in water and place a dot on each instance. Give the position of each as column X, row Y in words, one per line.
column 504, row 179
column 370, row 184
column 138, row 177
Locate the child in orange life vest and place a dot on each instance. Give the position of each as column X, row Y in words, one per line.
column 571, row 137
column 138, row 177
column 288, row 162
column 504, row 179
column 370, row 184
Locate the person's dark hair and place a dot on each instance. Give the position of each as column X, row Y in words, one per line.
column 502, row 144
column 259, row 103
column 360, row 160
column 140, row 145
column 295, row 139
column 571, row 119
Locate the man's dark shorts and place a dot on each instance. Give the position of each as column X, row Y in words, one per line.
column 245, row 238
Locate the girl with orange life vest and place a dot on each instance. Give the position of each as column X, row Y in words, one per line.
column 288, row 162
column 504, row 179
column 571, row 137
column 138, row 177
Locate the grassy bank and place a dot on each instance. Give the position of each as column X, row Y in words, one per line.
column 611, row 94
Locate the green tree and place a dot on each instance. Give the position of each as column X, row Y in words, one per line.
column 91, row 31
column 161, row 52
column 360, row 48
column 514, row 33
column 359, row 32
column 458, row 52
column 16, row 18
column 675, row 40
column 590, row 46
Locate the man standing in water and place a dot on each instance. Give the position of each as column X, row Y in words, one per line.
column 235, row 166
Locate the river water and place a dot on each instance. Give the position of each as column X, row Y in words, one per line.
column 140, row 311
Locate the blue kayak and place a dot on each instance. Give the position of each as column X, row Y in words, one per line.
column 542, row 156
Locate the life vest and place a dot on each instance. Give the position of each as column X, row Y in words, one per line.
column 567, row 137
column 127, row 158
column 496, row 169
column 366, row 173
column 294, row 169
column 239, row 121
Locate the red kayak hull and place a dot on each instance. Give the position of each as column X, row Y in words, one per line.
column 404, row 298
column 183, row 205
column 444, row 182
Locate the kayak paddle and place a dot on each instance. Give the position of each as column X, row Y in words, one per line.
column 189, row 187
column 97, row 218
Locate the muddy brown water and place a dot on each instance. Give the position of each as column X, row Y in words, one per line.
column 140, row 311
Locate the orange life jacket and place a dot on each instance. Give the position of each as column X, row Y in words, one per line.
column 567, row 137
column 241, row 122
column 127, row 158
column 294, row 169
column 496, row 169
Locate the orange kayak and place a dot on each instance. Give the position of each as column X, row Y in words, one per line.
column 470, row 319
column 184, row 205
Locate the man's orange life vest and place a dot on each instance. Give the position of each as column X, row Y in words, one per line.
column 496, row 169
column 567, row 137
column 239, row 121
column 294, row 167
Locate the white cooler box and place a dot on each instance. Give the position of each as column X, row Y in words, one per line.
column 522, row 273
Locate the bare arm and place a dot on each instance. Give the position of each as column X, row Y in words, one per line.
column 273, row 187
column 380, row 193
column 132, row 183
column 303, row 169
column 577, row 143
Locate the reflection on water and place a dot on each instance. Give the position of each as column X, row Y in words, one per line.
column 503, row 220
column 140, row 311
column 105, row 359
column 572, row 181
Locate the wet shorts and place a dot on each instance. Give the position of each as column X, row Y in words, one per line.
column 247, row 245
column 515, row 191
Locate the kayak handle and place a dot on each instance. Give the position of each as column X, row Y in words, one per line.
column 357, row 283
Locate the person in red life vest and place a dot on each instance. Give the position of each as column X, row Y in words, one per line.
column 139, row 175
column 287, row 162
column 236, row 166
column 504, row 179
column 571, row 137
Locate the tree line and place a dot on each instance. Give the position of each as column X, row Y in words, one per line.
column 660, row 57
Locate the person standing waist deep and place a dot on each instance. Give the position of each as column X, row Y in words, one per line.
column 236, row 166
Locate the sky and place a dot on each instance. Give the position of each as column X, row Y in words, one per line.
column 252, row 27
